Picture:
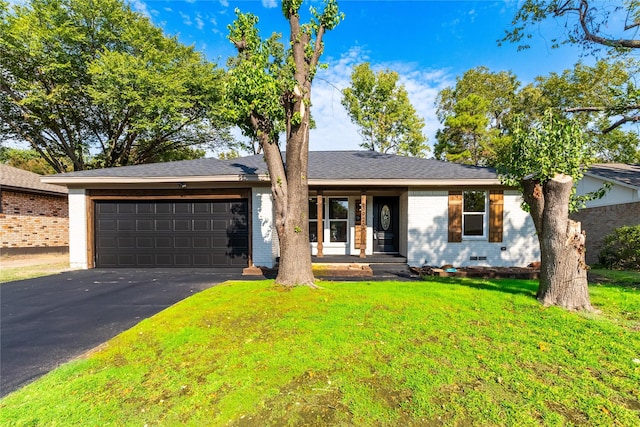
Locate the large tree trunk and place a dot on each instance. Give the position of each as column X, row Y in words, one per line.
column 290, row 197
column 295, row 249
column 563, row 272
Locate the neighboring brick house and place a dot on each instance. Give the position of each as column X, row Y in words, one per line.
column 34, row 217
column 619, row 207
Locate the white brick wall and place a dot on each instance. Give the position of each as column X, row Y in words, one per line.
column 427, row 235
column 78, row 229
column 265, row 239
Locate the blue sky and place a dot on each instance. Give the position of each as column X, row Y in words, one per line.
column 429, row 43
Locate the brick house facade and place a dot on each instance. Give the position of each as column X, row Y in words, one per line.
column 34, row 217
column 619, row 207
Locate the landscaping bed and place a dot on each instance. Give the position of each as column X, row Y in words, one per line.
column 530, row 273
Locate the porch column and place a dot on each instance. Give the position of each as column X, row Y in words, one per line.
column 363, row 224
column 320, row 226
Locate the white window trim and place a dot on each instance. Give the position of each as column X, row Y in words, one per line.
column 485, row 219
column 326, row 224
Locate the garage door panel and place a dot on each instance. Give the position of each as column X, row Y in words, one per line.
column 171, row 233
column 144, row 242
column 163, row 225
column 164, row 208
column 125, row 225
column 181, row 225
column 182, row 208
column 106, row 225
column 201, row 225
column 127, row 208
column 164, row 242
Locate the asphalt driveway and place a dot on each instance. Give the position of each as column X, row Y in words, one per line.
column 51, row 320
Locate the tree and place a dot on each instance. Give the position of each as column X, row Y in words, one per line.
column 544, row 161
column 612, row 27
column 607, row 85
column 476, row 114
column 28, row 160
column 380, row 107
column 98, row 85
column 271, row 91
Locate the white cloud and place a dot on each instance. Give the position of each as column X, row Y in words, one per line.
column 224, row 3
column 186, row 19
column 269, row 4
column 334, row 130
column 199, row 22
column 140, row 6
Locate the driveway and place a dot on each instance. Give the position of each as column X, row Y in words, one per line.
column 51, row 320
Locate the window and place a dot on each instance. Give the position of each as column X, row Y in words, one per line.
column 336, row 214
column 338, row 219
column 474, row 207
column 313, row 219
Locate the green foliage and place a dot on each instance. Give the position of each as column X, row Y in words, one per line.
column 381, row 108
column 476, row 115
column 256, row 80
column 28, row 160
column 98, row 85
column 596, row 27
column 598, row 97
column 542, row 151
column 452, row 352
column 621, row 250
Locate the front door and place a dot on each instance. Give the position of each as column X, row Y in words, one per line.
column 386, row 224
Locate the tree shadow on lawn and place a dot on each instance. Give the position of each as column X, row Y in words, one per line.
column 509, row 286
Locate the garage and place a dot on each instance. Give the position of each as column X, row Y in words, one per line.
column 171, row 233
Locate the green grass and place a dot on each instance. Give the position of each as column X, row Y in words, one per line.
column 439, row 352
column 10, row 274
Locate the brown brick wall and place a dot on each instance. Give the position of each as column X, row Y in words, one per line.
column 33, row 221
column 601, row 221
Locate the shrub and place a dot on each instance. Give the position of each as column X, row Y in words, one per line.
column 621, row 249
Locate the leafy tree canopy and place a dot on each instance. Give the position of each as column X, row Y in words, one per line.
column 94, row 84
column 381, row 108
column 476, row 113
column 604, row 28
column 28, row 160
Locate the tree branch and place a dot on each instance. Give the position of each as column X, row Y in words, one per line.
column 588, row 35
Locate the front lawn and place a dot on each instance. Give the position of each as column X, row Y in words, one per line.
column 439, row 352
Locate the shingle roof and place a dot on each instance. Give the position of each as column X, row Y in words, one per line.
column 624, row 173
column 20, row 179
column 329, row 165
column 198, row 167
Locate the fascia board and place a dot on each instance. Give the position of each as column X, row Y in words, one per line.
column 405, row 182
column 63, row 180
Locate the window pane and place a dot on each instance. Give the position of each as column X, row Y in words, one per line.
column 313, row 208
column 338, row 231
column 313, row 231
column 474, row 201
column 473, row 225
column 338, row 208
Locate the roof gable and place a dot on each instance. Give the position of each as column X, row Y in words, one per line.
column 19, row 179
column 628, row 174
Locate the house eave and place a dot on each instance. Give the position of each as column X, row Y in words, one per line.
column 405, row 182
column 613, row 181
column 378, row 182
column 82, row 181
